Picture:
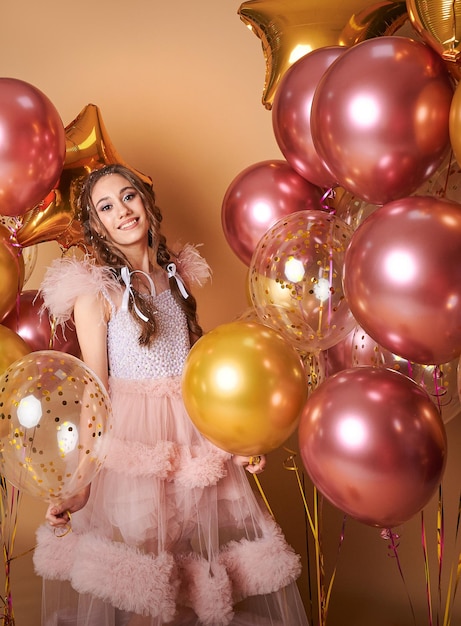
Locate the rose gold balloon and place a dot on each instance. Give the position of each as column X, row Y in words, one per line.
column 439, row 381
column 402, row 278
column 374, row 444
column 32, row 148
column 380, row 117
column 291, row 114
column 36, row 329
column 259, row 196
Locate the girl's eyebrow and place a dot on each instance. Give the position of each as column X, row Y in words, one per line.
column 105, row 198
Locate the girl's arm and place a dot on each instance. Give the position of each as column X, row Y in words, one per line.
column 90, row 315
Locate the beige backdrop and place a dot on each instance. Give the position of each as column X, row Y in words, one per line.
column 179, row 85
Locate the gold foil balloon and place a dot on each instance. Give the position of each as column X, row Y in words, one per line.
column 295, row 279
column 439, row 24
column 377, row 20
column 12, row 347
column 11, row 272
column 289, row 29
column 54, row 424
column 455, row 123
column 244, row 387
column 56, row 218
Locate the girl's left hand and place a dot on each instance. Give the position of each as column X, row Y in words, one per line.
column 253, row 464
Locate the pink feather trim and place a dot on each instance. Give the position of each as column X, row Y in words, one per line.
column 66, row 279
column 206, row 588
column 261, row 566
column 192, row 267
column 127, row 578
column 54, row 556
column 134, row 458
column 201, row 470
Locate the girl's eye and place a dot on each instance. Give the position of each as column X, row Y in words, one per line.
column 128, row 197
column 105, row 207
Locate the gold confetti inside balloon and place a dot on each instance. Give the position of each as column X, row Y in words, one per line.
column 296, row 279
column 54, row 424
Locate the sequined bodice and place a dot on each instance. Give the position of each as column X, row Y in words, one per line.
column 165, row 357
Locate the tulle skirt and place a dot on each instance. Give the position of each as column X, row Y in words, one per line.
column 172, row 532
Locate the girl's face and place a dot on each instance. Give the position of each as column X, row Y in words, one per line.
column 121, row 210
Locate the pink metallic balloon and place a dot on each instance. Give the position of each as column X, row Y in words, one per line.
column 291, row 114
column 32, row 146
column 402, row 278
column 35, row 328
column 374, row 444
column 380, row 117
column 439, row 381
column 259, row 196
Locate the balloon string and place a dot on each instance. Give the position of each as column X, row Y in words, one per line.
column 315, row 524
column 440, row 546
column 451, row 595
column 263, row 495
column 8, row 530
column 426, row 569
column 387, row 534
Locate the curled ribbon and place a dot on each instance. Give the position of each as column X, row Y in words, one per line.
column 171, row 271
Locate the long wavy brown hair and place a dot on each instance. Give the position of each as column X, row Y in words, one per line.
column 106, row 253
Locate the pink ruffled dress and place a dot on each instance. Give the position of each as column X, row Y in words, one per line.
column 172, row 533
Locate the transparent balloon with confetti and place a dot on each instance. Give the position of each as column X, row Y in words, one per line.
column 295, row 279
column 55, row 420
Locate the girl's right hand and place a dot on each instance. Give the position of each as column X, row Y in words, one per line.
column 59, row 514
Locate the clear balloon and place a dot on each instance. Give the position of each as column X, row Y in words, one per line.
column 380, row 117
column 402, row 278
column 291, row 114
column 36, row 328
column 32, row 148
column 374, row 444
column 54, row 424
column 350, row 208
column 295, row 280
column 244, row 387
column 12, row 347
column 259, row 196
column 11, row 272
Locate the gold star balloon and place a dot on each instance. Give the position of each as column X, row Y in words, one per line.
column 378, row 20
column 289, row 29
column 56, row 217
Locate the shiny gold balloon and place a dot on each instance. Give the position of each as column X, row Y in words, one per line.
column 11, row 272
column 12, row 347
column 289, row 29
column 56, row 218
column 244, row 387
column 455, row 124
column 439, row 24
column 378, row 20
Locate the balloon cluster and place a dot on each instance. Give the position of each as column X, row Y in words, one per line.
column 363, row 283
column 44, row 163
